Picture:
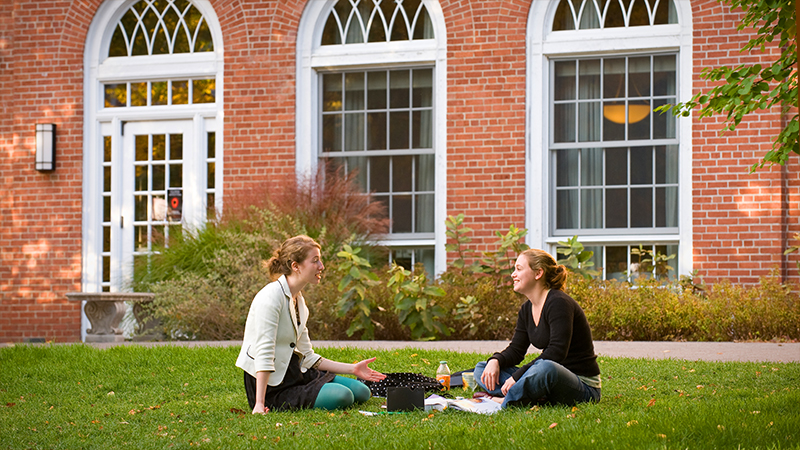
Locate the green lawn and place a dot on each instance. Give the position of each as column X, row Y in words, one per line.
column 76, row 397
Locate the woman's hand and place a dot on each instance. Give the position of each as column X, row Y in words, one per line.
column 361, row 369
column 260, row 409
column 507, row 385
column 491, row 374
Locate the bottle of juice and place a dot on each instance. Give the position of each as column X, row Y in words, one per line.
column 443, row 375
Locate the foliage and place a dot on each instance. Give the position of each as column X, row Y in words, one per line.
column 176, row 397
column 414, row 303
column 652, row 311
column 577, row 258
column 204, row 281
column 356, row 281
column 746, row 88
column 458, row 233
column 500, row 264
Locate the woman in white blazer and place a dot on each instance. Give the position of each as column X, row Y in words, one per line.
column 281, row 369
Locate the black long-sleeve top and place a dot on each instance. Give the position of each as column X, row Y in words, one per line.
column 563, row 335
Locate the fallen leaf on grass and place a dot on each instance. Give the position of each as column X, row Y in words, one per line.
column 651, row 402
column 553, row 425
column 237, row 411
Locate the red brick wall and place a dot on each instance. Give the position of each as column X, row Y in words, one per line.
column 486, row 115
column 740, row 226
column 741, row 219
column 41, row 211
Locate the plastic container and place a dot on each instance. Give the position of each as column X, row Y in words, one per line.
column 443, row 375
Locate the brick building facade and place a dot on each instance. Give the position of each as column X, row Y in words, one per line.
column 493, row 109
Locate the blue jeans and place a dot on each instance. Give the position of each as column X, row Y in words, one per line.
column 544, row 380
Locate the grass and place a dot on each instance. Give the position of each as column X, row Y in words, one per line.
column 78, row 397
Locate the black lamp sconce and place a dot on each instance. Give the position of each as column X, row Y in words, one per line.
column 45, row 147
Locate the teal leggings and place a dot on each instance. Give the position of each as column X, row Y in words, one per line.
column 342, row 392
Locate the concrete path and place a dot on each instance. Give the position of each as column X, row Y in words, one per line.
column 692, row 351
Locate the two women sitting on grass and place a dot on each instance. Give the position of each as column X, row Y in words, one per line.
column 282, row 371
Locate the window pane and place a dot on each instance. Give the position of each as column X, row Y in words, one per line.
column 564, row 81
column 379, row 174
column 567, row 209
column 354, row 132
column 422, row 129
column 376, row 90
column 398, row 130
column 210, row 180
column 424, row 211
column 667, row 207
column 204, row 91
column 591, row 167
column 159, row 177
column 142, row 149
column 616, row 263
column 180, row 92
column 616, row 208
column 642, row 165
column 664, row 75
column 107, row 179
column 667, row 164
column 589, row 79
column 175, row 146
column 423, row 88
column 140, row 208
column 376, row 131
column 589, row 122
column 642, row 208
column 358, row 166
column 398, row 85
column 567, row 167
column 139, row 94
column 592, row 208
column 159, row 93
column 616, row 166
column 159, row 147
column 116, row 95
column 564, row 122
column 614, row 121
column 639, row 119
column 663, row 123
column 614, row 78
column 332, row 133
column 424, row 173
column 354, row 91
column 401, row 173
column 176, row 175
column 639, row 77
column 332, row 92
column 401, row 214
column 141, row 178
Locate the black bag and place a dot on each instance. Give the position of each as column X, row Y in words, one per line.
column 402, row 379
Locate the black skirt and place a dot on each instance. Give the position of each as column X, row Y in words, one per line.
column 298, row 390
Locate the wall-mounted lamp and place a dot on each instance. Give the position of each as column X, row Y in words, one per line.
column 45, row 146
column 616, row 113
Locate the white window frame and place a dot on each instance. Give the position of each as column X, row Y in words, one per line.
column 100, row 121
column 313, row 59
column 543, row 45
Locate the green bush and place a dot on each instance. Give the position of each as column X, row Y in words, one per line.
column 205, row 281
column 204, row 284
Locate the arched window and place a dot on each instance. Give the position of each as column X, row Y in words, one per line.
column 613, row 172
column 152, row 160
column 370, row 97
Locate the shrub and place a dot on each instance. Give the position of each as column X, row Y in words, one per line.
column 204, row 281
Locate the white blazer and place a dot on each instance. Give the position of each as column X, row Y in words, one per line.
column 273, row 332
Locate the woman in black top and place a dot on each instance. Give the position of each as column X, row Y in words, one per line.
column 566, row 372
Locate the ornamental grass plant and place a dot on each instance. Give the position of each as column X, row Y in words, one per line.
column 132, row 397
